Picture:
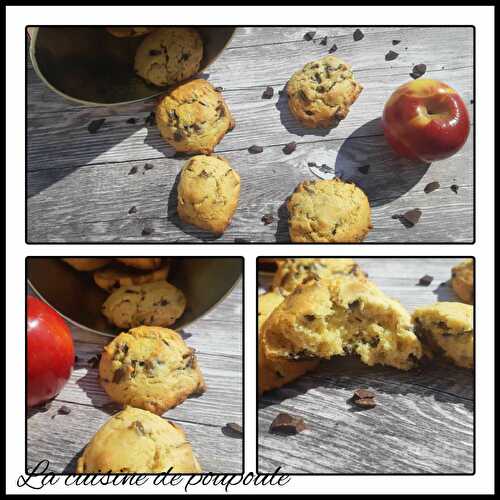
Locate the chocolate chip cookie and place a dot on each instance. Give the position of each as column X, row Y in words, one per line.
column 193, row 117
column 328, row 211
column 153, row 304
column 137, row 441
column 150, row 368
column 462, row 280
column 169, row 55
column 321, row 93
column 208, row 193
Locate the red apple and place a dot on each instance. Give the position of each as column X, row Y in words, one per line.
column 425, row 120
column 50, row 352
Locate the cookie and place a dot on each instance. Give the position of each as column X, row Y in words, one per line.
column 141, row 262
column 86, row 263
column 328, row 211
column 291, row 273
column 338, row 316
column 116, row 275
column 169, row 55
column 277, row 372
column 128, row 31
column 193, row 117
column 208, row 193
column 138, row 441
column 153, row 304
column 321, row 93
column 150, row 368
column 447, row 328
column 462, row 280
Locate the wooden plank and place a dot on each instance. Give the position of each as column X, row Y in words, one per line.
column 424, row 419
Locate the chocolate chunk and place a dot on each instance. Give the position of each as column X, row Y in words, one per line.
column 234, row 428
column 132, row 121
column 147, row 231
column 309, row 317
column 391, row 55
column 333, row 49
column 164, row 302
column 358, row 35
column 132, row 171
column 309, row 35
column 132, row 210
column 287, row 424
column 255, row 149
column 268, row 93
column 454, row 188
column 425, row 280
column 363, row 394
column 150, row 119
column 95, row 125
column 267, row 219
column 364, row 169
column 365, row 403
column 396, row 42
column 64, row 410
column 154, row 52
column 148, row 166
column 119, row 375
column 324, row 41
column 432, row 186
column 412, row 216
column 218, row 89
column 290, row 148
column 418, row 71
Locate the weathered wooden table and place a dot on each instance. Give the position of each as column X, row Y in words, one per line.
column 217, row 338
column 424, row 420
column 80, row 190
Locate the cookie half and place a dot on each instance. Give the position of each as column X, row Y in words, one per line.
column 137, row 441
column 150, row 368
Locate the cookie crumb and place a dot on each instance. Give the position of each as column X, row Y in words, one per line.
column 132, row 210
column 268, row 93
column 418, row 70
column 233, row 429
column 147, row 231
column 454, row 188
column 425, row 280
column 255, row 149
column 309, row 35
column 267, row 219
column 148, row 166
column 412, row 216
column 287, row 424
column 64, row 410
column 132, row 171
column 324, row 41
column 432, row 186
column 333, row 49
column 391, row 55
column 290, row 148
column 396, row 42
column 363, row 394
column 95, row 125
column 358, row 35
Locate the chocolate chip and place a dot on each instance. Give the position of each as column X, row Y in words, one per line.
column 454, row 188
column 95, row 125
column 219, row 89
column 132, row 210
column 287, row 424
column 233, row 429
column 268, row 93
column 391, row 55
column 64, row 410
column 364, row 169
column 324, row 41
column 363, row 394
column 365, row 403
column 132, row 121
column 412, row 216
column 309, row 317
column 425, row 280
column 147, row 231
column 119, row 375
column 432, row 186
column 418, row 71
column 267, row 219
column 358, row 35
column 396, row 42
column 309, row 35
column 255, row 149
column 132, row 171
column 154, row 52
column 290, row 148
column 150, row 119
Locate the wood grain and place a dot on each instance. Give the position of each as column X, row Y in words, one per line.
column 424, row 420
column 217, row 338
column 67, row 166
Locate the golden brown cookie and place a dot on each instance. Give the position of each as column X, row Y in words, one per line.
column 462, row 280
column 321, row 93
column 277, row 372
column 169, row 55
column 338, row 316
column 152, row 304
column 208, row 193
column 291, row 273
column 150, row 368
column 137, row 441
column 328, row 211
column 86, row 263
column 448, row 328
column 193, row 117
column 141, row 262
column 117, row 275
column 128, row 31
